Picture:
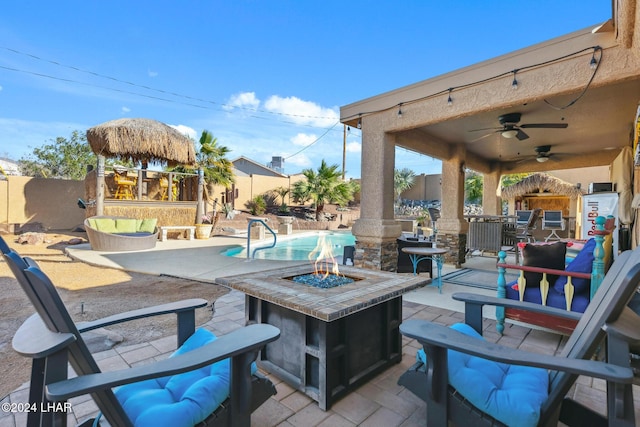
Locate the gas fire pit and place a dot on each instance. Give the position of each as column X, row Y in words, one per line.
column 333, row 339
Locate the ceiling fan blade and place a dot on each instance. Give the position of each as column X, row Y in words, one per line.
column 482, row 137
column 493, row 128
column 545, row 125
column 521, row 135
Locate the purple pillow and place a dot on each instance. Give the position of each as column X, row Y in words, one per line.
column 544, row 256
column 582, row 263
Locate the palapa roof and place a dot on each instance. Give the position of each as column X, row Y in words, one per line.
column 141, row 140
column 540, row 183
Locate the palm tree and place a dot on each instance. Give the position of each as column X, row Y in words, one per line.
column 402, row 180
column 211, row 157
column 323, row 186
column 218, row 170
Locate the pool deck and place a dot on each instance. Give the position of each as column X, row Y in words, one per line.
column 379, row 402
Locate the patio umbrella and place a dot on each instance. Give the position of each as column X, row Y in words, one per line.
column 141, row 140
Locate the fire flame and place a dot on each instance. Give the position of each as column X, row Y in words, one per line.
column 323, row 258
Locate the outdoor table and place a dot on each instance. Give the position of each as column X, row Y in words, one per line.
column 417, row 254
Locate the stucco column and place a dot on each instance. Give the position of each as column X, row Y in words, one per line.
column 376, row 231
column 452, row 227
column 491, row 203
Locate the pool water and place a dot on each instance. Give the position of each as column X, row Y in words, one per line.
column 295, row 248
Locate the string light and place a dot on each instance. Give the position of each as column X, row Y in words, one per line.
column 593, row 64
column 359, row 126
column 400, row 110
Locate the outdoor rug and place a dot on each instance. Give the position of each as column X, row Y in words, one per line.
column 477, row 278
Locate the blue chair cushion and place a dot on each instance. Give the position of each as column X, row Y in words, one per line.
column 511, row 394
column 179, row 400
column 582, row 263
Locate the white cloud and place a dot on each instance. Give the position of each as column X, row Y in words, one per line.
column 0, row 88
column 302, row 112
column 152, row 73
column 185, row 130
column 300, row 160
column 354, row 147
column 243, row 100
column 125, row 110
column 303, row 139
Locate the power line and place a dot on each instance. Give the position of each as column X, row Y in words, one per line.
column 224, row 106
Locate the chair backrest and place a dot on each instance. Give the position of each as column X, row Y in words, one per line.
column 534, row 218
column 4, row 247
column 523, row 217
column 49, row 306
column 552, row 219
column 612, row 297
column 434, row 214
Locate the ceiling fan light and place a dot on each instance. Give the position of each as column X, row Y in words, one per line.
column 542, row 159
column 509, row 133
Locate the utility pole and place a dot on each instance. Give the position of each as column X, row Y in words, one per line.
column 344, row 150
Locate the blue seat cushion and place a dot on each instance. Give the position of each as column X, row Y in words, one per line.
column 179, row 400
column 582, row 263
column 511, row 394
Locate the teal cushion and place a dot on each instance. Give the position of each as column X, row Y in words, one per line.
column 582, row 263
column 511, row 394
column 125, row 225
column 106, row 225
column 148, row 225
column 179, row 400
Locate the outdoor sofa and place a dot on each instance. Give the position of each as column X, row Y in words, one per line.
column 115, row 234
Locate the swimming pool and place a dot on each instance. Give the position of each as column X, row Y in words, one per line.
column 295, row 248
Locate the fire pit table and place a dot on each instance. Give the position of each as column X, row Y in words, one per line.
column 332, row 339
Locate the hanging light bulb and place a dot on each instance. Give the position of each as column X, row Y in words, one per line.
column 514, row 84
column 449, row 100
column 593, row 64
column 400, row 110
column 359, row 125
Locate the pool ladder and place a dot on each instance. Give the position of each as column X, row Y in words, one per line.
column 275, row 238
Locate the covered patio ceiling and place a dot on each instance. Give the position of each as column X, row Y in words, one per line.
column 550, row 75
column 599, row 125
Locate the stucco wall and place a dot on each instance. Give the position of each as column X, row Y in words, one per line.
column 425, row 187
column 52, row 203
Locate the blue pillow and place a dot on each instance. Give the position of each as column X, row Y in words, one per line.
column 511, row 394
column 582, row 263
column 179, row 400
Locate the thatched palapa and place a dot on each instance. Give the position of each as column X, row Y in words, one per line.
column 141, row 140
column 540, row 183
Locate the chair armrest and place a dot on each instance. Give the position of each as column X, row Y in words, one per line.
column 241, row 341
column 173, row 307
column 434, row 335
column 471, row 299
column 34, row 340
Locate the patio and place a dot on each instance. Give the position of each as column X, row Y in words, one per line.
column 379, row 402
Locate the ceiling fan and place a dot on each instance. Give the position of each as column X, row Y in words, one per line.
column 509, row 127
column 543, row 155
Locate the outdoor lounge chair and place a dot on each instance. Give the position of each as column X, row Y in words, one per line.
column 52, row 340
column 469, row 381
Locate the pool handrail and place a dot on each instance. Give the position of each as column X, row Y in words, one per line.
column 275, row 238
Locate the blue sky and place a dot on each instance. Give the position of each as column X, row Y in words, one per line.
column 267, row 78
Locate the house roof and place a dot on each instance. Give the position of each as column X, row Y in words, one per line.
column 262, row 169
